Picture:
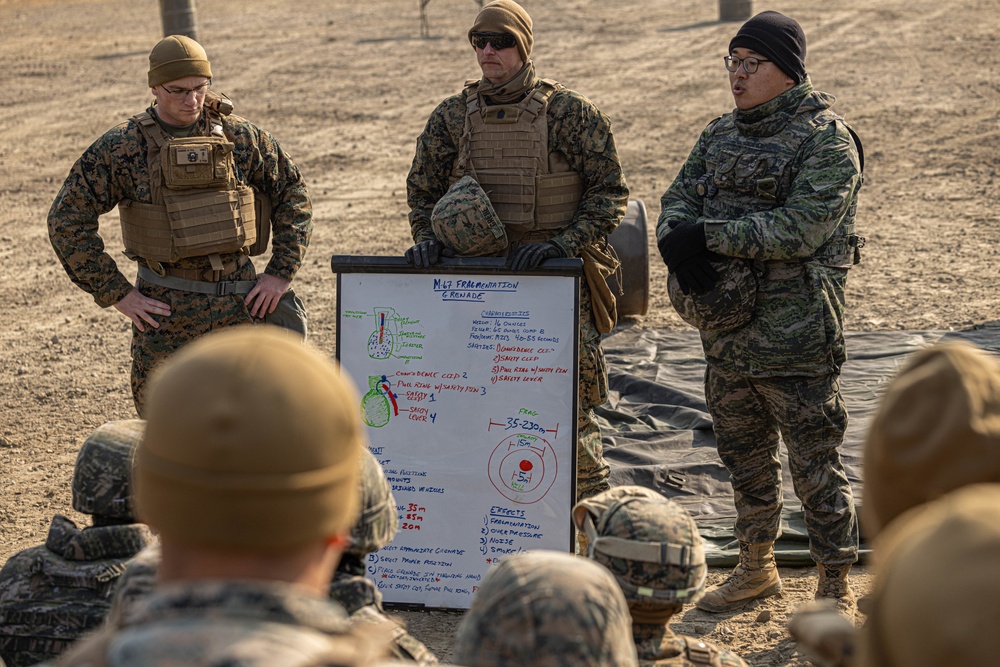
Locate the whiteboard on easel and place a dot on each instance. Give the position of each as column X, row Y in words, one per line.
column 467, row 378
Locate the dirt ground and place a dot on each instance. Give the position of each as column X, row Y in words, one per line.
column 346, row 87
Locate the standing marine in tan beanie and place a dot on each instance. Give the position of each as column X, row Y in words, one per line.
column 198, row 191
column 249, row 472
column 546, row 159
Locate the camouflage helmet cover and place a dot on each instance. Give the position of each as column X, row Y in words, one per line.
column 376, row 526
column 546, row 609
column 103, row 466
column 729, row 305
column 465, row 221
column 649, row 543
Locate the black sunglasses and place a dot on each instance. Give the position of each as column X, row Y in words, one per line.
column 499, row 40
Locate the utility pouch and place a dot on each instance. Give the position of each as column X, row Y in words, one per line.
column 262, row 213
column 197, row 162
column 212, row 221
column 599, row 262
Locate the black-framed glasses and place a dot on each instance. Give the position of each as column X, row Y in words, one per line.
column 182, row 93
column 750, row 64
column 499, row 40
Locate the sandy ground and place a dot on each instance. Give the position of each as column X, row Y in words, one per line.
column 346, row 87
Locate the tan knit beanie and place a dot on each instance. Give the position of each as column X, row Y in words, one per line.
column 936, row 592
column 252, row 442
column 937, row 429
column 176, row 57
column 506, row 16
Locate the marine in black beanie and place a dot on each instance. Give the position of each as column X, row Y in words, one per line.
column 778, row 37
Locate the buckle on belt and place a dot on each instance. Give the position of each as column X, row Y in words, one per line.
column 222, row 288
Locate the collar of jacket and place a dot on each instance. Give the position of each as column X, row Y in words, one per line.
column 771, row 117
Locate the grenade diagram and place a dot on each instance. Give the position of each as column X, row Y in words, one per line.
column 379, row 404
column 382, row 341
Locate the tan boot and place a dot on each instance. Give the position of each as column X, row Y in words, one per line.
column 756, row 576
column 581, row 543
column 833, row 586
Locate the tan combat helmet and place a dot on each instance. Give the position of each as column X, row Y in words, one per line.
column 649, row 543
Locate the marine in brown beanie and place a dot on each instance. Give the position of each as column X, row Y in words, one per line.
column 198, row 191
column 545, row 157
column 768, row 195
column 249, row 472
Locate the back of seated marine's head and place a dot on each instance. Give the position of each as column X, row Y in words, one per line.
column 546, row 609
column 937, row 429
column 252, row 444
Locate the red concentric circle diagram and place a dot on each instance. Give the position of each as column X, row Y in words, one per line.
column 523, row 468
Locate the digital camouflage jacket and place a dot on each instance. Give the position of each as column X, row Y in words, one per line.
column 780, row 185
column 53, row 593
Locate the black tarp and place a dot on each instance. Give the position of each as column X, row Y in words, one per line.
column 658, row 433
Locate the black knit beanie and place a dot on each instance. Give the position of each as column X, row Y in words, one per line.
column 777, row 37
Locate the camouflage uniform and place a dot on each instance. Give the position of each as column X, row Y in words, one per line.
column 546, row 609
column 223, row 623
column 780, row 183
column 363, row 602
column 582, row 134
column 651, row 545
column 114, row 169
column 53, row 593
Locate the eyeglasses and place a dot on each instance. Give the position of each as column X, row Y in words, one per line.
column 749, row 64
column 499, row 40
column 182, row 93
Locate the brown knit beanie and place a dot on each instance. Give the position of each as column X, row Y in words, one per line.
column 936, row 429
column 506, row 16
column 252, row 442
column 936, row 592
column 176, row 57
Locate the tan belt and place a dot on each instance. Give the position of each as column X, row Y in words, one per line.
column 208, row 275
column 214, row 287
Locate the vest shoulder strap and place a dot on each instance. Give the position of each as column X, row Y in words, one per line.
column 151, row 129
column 860, row 146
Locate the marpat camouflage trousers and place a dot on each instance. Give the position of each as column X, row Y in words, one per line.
column 592, row 471
column 191, row 315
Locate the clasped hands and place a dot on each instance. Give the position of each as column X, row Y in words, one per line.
column 427, row 253
column 686, row 255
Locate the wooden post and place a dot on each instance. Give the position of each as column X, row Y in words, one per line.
column 735, row 10
column 178, row 18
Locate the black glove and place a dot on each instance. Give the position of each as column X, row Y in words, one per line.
column 682, row 243
column 531, row 255
column 427, row 253
column 697, row 274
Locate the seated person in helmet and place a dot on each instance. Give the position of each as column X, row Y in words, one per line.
column 545, row 609
column 54, row 593
column 652, row 547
